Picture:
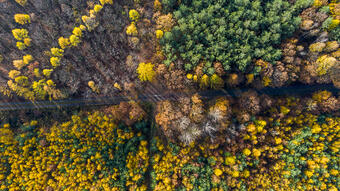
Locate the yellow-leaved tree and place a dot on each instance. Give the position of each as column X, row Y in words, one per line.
column 146, row 72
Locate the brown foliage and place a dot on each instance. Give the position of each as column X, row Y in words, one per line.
column 127, row 112
column 175, row 79
column 197, row 111
column 280, row 75
column 233, row 80
column 165, row 22
column 219, row 69
column 250, row 102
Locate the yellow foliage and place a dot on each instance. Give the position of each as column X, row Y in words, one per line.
column 251, row 128
column 22, row 80
column 321, row 96
column 90, row 21
column 317, row 47
column 20, row 45
column 47, row 72
column 92, row 12
column 20, row 34
column 159, row 34
column 77, row 31
column 36, row 72
column 334, row 24
column 50, row 83
column 250, row 78
column 97, row 8
column 157, row 6
column 93, row 86
column 27, row 41
column 256, row 152
column 82, row 27
column 246, row 152
column 13, row 74
column 284, row 110
column 266, row 81
column 278, row 140
column 195, row 78
column 204, row 81
column 74, row 40
column 21, row 2
column 216, row 82
column 318, row 3
column 22, row 18
column 57, row 52
column 18, row 64
column 146, row 72
column 134, row 15
column 331, row 46
column 64, row 42
column 90, row 84
column 27, row 59
column 325, row 62
column 132, row 30
column 116, row 85
column 6, row 137
column 230, row 160
column 55, row 61
column 103, row 2
column 218, row 172
column 235, row 174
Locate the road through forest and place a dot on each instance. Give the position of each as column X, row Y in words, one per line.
column 209, row 94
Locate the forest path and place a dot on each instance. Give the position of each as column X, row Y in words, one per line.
column 208, row 94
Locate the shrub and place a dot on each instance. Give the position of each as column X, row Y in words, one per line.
column 204, row 81
column 103, row 2
column 216, row 82
column 317, row 47
column 93, row 86
column 27, row 59
column 97, row 8
column 50, row 83
column 20, row 45
column 20, row 34
column 134, row 15
column 27, row 41
column 21, row 2
column 22, row 80
column 157, row 6
column 36, row 72
column 231, row 32
column 324, row 64
column 159, row 34
column 13, row 74
column 74, row 40
column 146, row 72
column 22, row 18
column 18, row 64
column 64, row 42
column 132, row 30
column 57, row 52
column 47, row 72
column 55, row 61
column 77, row 31
column 90, row 22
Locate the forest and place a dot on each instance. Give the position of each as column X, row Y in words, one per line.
column 139, row 95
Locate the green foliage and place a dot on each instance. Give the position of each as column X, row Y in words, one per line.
column 231, row 32
column 335, row 34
